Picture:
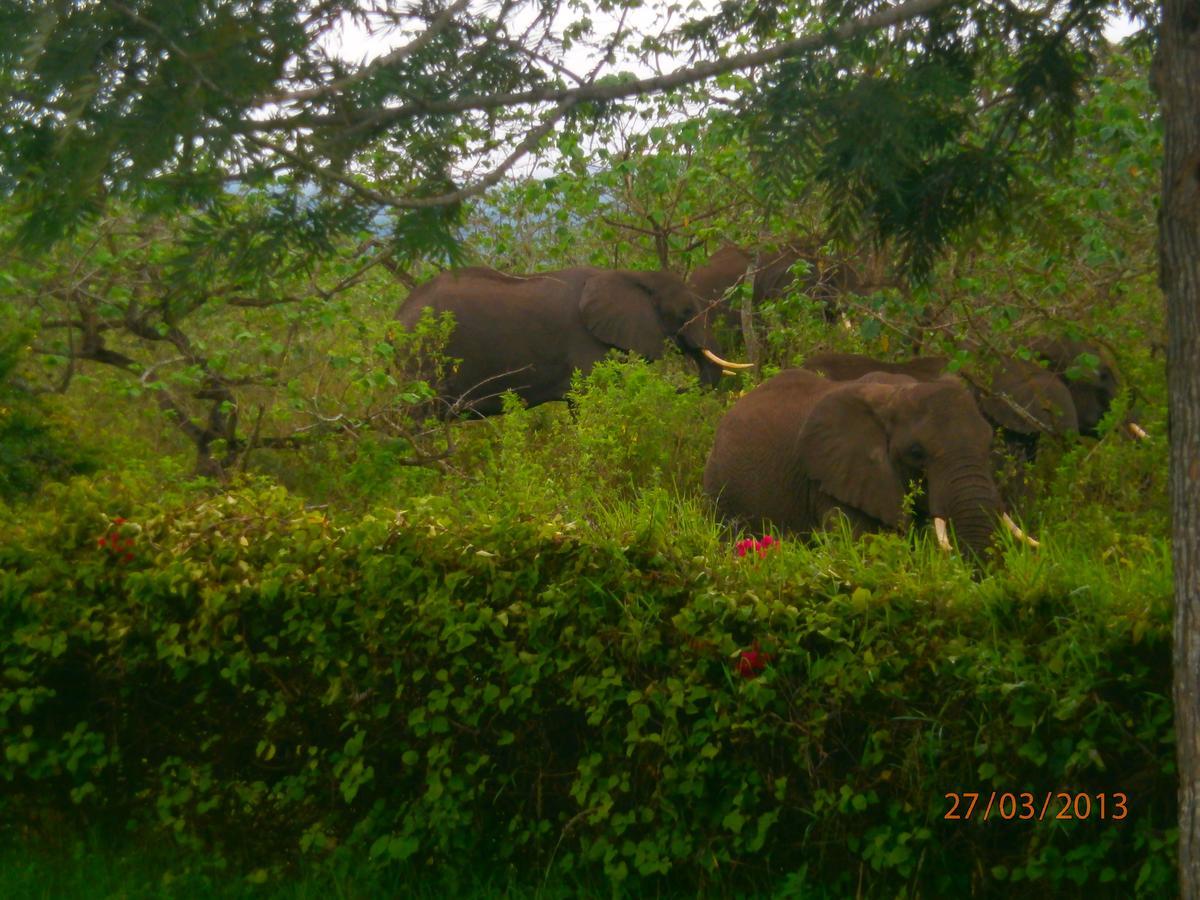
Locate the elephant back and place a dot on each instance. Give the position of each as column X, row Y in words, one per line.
column 852, row 366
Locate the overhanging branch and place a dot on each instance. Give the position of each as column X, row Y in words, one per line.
column 886, row 18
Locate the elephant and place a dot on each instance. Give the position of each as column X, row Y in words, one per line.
column 1092, row 391
column 773, row 278
column 799, row 446
column 530, row 333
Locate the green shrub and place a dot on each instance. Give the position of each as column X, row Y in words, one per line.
column 637, row 429
column 632, row 427
column 426, row 687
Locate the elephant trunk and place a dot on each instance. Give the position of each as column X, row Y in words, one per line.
column 710, row 372
column 965, row 494
column 697, row 341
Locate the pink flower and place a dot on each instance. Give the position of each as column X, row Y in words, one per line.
column 760, row 546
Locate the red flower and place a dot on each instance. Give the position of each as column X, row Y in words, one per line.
column 752, row 661
column 118, row 546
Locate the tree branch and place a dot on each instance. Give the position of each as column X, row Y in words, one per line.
column 593, row 91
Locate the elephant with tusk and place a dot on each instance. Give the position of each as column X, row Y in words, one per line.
column 530, row 333
column 799, row 446
column 1092, row 388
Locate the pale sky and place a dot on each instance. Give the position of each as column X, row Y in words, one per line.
column 355, row 43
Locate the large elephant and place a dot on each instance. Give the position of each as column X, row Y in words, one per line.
column 529, row 333
column 1092, row 391
column 799, row 446
column 827, row 279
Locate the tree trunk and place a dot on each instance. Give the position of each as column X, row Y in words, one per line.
column 1177, row 80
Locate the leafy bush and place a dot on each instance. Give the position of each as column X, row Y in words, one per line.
column 425, row 687
column 638, row 430
column 632, row 427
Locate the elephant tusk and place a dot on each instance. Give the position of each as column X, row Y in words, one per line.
column 1137, row 431
column 1017, row 532
column 939, row 528
column 727, row 372
column 724, row 363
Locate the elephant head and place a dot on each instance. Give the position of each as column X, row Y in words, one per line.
column 1018, row 396
column 639, row 311
column 1025, row 400
column 865, row 441
column 1092, row 387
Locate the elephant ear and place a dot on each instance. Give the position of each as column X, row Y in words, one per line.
column 843, row 445
column 618, row 311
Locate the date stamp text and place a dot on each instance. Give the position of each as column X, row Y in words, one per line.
column 1023, row 806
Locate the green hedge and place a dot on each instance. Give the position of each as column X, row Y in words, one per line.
column 270, row 686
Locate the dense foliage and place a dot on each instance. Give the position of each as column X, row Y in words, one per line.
column 262, row 680
column 547, row 658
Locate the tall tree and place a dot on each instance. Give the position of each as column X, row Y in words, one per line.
column 1177, row 77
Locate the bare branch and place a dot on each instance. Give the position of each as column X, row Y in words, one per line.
column 531, row 140
column 150, row 370
column 436, row 26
